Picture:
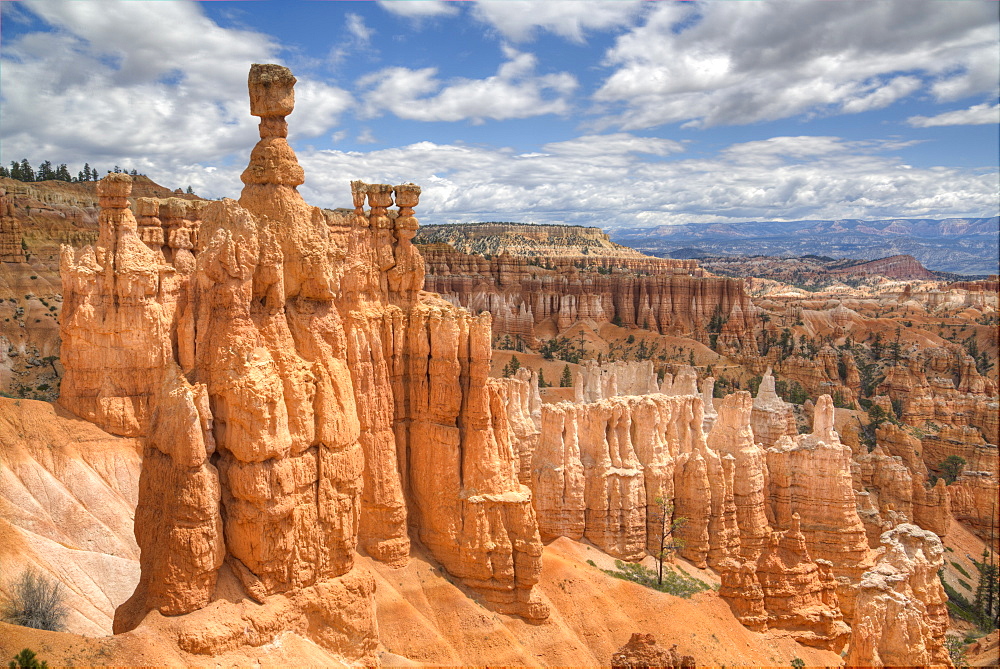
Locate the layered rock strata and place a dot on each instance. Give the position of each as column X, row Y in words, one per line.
column 902, row 613
column 521, row 295
column 892, row 486
column 785, row 588
column 601, row 467
column 298, row 395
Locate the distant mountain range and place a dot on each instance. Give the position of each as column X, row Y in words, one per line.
column 959, row 245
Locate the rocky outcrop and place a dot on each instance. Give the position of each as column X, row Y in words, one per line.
column 784, row 588
column 771, row 417
column 10, row 232
column 894, row 488
column 119, row 305
column 298, row 396
column 829, row 372
column 601, row 467
column 811, row 476
column 598, row 382
column 732, row 435
column 641, row 651
column 901, row 607
column 524, row 415
column 661, row 297
column 973, row 499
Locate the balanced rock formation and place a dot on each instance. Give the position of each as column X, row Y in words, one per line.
column 298, row 396
column 902, row 613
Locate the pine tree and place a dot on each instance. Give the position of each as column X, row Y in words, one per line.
column 189, row 191
column 27, row 174
column 45, row 172
column 542, row 383
column 15, row 170
column 511, row 367
column 566, row 380
column 86, row 172
column 62, row 173
column 4, row 172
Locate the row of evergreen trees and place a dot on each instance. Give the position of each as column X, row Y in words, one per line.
column 22, row 171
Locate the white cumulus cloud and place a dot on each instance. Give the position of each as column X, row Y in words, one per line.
column 419, row 9
column 983, row 114
column 716, row 63
column 782, row 178
column 516, row 91
column 155, row 86
column 517, row 20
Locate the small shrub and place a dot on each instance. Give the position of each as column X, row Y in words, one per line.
column 36, row 601
column 956, row 650
column 27, row 659
column 960, row 569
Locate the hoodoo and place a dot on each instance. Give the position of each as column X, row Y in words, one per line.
column 301, row 399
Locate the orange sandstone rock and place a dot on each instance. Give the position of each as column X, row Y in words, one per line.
column 901, row 607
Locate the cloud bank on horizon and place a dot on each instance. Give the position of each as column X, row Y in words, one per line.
column 587, row 112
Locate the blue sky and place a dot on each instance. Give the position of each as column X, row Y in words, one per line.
column 610, row 113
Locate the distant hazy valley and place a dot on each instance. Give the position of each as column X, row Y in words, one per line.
column 959, row 245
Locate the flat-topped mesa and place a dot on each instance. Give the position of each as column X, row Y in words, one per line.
column 649, row 293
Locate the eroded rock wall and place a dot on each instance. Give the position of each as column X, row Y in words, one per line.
column 664, row 296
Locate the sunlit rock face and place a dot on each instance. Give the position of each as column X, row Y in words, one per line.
column 298, row 395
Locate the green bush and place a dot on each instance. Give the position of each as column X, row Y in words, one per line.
column 27, row 659
column 677, row 584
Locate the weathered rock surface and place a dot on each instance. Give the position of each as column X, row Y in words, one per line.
column 784, row 588
column 811, row 476
column 901, row 605
column 641, row 651
column 298, row 395
column 771, row 416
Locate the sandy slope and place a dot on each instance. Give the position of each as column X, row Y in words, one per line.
column 68, row 492
column 425, row 619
